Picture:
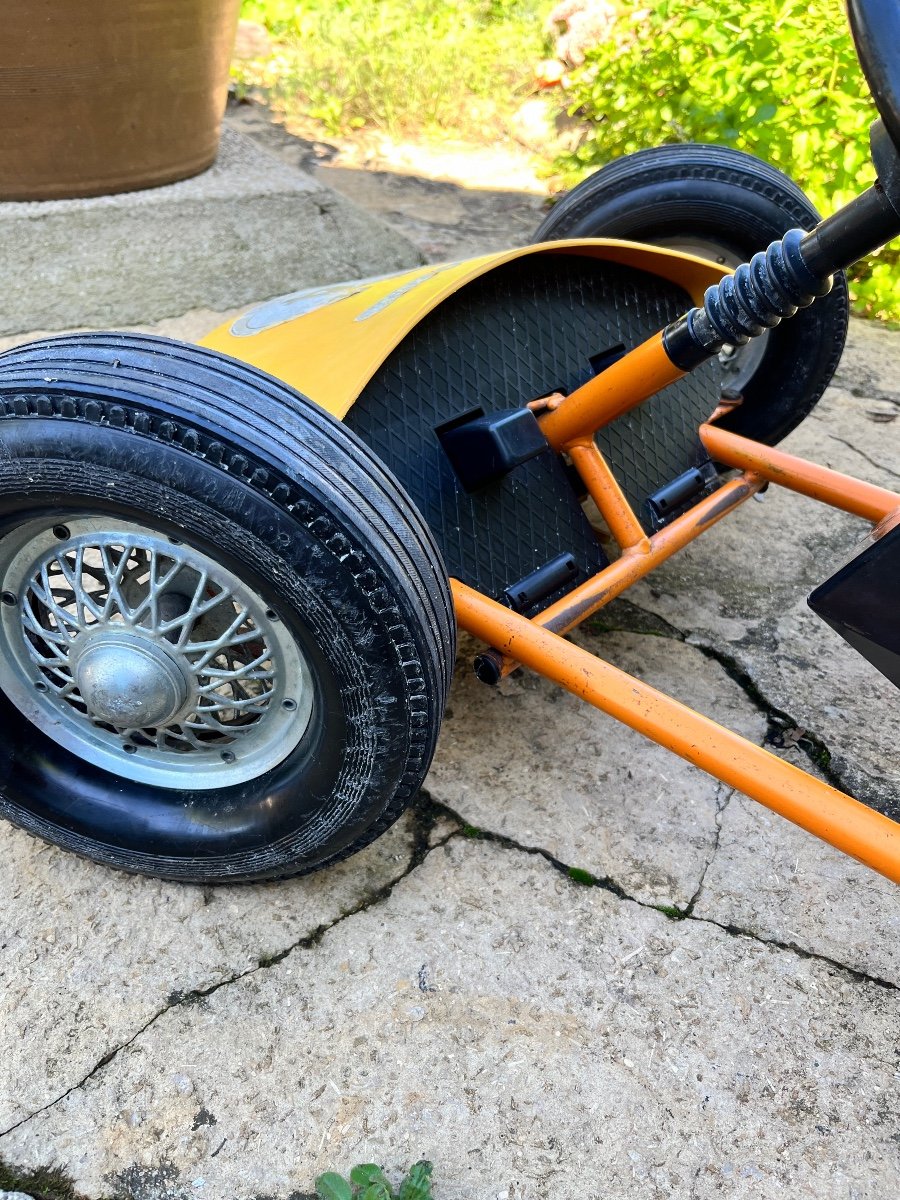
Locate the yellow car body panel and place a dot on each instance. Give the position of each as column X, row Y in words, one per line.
column 329, row 341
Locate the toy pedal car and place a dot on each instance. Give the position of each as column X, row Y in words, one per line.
column 228, row 613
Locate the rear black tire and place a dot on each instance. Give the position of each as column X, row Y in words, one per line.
column 235, row 467
column 734, row 205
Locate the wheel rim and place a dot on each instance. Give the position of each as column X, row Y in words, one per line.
column 142, row 655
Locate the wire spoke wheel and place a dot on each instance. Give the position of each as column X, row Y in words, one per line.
column 147, row 657
column 226, row 635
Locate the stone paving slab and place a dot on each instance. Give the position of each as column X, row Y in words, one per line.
column 599, row 797
column 249, row 228
column 469, row 1001
column 771, row 879
column 445, row 219
column 531, row 1036
column 90, row 956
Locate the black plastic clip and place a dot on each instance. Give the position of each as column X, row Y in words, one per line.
column 668, row 500
column 484, row 448
column 542, row 583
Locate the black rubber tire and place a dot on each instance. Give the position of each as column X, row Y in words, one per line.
column 741, row 203
column 251, row 473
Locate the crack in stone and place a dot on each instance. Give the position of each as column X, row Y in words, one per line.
column 624, row 616
column 723, row 799
column 867, row 391
column 424, row 816
column 801, row 952
column 778, row 721
column 427, row 811
column 581, row 878
column 98, row 1065
column 862, row 454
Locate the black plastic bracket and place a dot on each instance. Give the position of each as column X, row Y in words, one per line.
column 669, row 500
column 484, row 448
column 542, row 583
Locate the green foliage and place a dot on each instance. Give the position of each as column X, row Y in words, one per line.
column 777, row 78
column 331, row 1186
column 44, row 1183
column 368, row 1182
column 398, row 65
column 417, row 1184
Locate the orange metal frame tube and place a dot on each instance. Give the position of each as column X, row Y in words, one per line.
column 841, row 821
column 820, row 483
column 604, row 490
column 594, row 593
column 628, row 382
column 583, row 601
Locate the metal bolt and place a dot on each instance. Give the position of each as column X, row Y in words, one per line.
column 290, row 705
column 227, row 756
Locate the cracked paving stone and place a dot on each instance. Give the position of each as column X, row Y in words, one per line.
column 537, row 765
column 88, row 955
column 776, row 881
column 565, row 1042
column 741, row 589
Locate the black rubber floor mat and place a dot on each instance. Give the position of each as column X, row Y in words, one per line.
column 526, row 329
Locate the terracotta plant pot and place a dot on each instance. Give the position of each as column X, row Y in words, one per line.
column 102, row 96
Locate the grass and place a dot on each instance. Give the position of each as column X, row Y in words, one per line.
column 44, row 1183
column 455, row 67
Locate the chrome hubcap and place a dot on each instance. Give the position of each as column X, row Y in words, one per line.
column 146, row 657
column 128, row 681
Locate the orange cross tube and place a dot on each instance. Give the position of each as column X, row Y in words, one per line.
column 809, row 479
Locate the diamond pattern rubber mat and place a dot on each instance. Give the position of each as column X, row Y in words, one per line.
column 526, row 329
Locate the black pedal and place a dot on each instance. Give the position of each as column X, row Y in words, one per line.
column 483, row 448
column 861, row 601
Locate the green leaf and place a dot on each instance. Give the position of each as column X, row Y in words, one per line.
column 376, row 1191
column 332, row 1186
column 417, row 1184
column 366, row 1173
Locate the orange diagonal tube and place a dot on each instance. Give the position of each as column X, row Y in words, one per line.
column 841, row 821
column 609, row 497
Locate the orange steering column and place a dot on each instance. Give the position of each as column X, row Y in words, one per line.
column 623, row 385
